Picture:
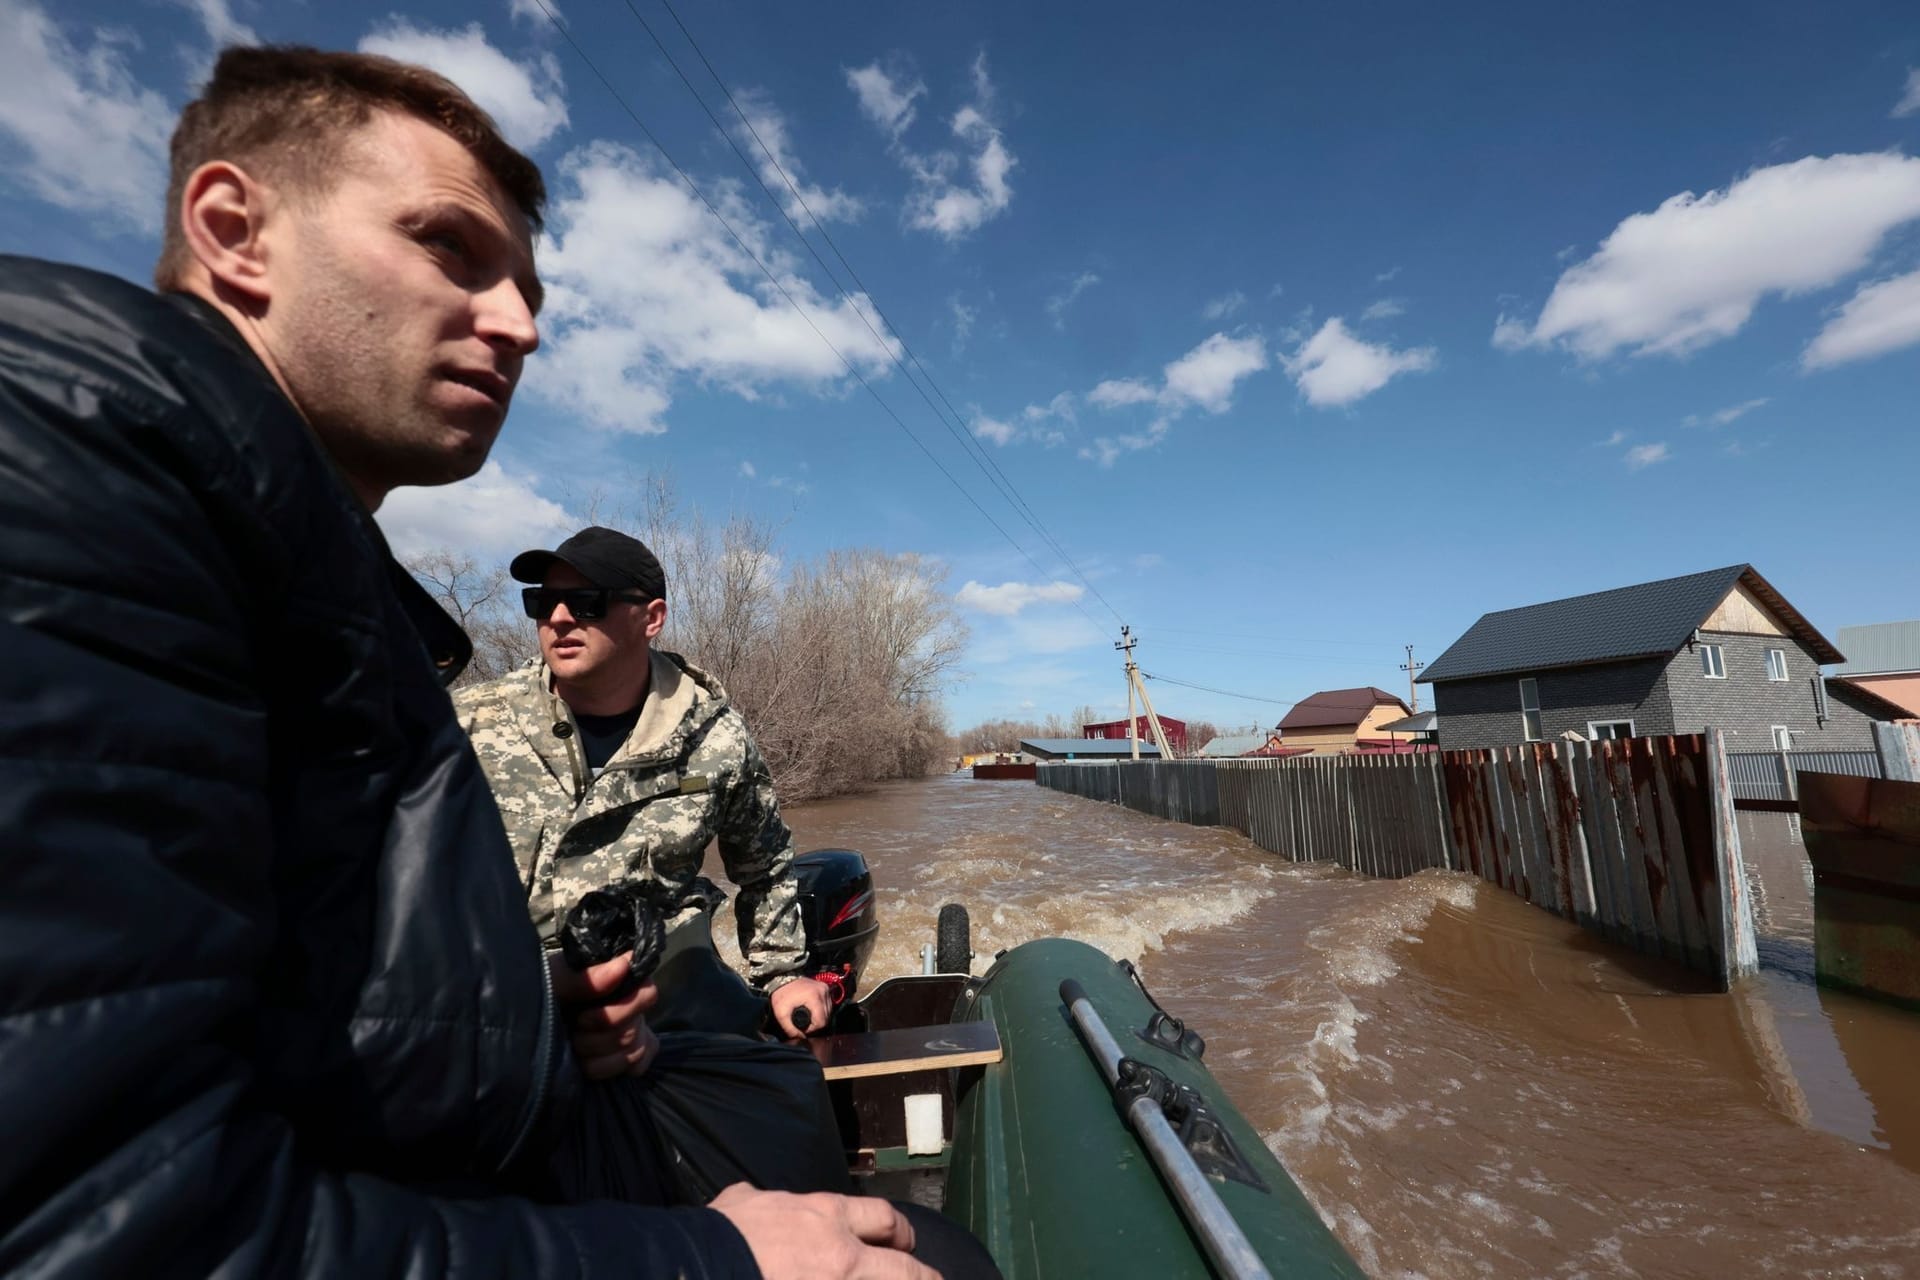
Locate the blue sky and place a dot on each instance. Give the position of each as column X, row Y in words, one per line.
column 1306, row 334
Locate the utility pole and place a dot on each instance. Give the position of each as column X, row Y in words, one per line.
column 1413, row 690
column 1134, row 685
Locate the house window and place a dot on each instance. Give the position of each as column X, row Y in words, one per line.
column 1776, row 664
column 1530, row 709
column 1601, row 730
column 1782, row 738
column 1713, row 662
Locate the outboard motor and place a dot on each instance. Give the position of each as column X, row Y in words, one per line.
column 836, row 902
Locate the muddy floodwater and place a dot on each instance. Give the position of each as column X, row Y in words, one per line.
column 1462, row 1084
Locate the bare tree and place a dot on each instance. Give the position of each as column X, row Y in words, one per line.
column 485, row 603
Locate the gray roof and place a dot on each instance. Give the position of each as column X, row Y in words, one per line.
column 1086, row 747
column 1233, row 744
column 1878, row 647
column 1652, row 619
column 1418, row 722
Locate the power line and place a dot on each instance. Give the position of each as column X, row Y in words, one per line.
column 694, row 187
column 984, row 462
column 1225, row 693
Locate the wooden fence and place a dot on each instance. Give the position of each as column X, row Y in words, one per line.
column 1633, row 838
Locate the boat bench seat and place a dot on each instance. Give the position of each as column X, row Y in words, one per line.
column 899, row 1050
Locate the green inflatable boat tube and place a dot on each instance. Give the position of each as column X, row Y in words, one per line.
column 1046, row 1170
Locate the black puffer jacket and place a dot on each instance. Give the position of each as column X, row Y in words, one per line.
column 266, row 976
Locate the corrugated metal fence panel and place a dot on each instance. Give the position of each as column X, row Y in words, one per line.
column 1759, row 775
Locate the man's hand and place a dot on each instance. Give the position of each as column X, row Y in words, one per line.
column 822, row 1236
column 609, row 1032
column 802, row 993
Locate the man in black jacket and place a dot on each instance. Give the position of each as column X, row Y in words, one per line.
column 269, row 999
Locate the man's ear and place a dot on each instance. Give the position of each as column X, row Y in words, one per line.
column 656, row 618
column 223, row 212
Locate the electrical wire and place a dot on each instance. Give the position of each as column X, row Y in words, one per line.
column 1225, row 693
column 694, row 187
column 968, row 442
column 996, row 478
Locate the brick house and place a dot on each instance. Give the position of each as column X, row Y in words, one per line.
column 1331, row 721
column 1719, row 649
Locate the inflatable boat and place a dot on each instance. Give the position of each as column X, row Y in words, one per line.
column 1053, row 1107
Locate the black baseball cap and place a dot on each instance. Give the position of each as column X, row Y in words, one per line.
column 604, row 557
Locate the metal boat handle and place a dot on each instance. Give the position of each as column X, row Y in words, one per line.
column 1227, row 1246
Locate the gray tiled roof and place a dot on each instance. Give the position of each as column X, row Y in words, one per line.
column 1086, row 747
column 1653, row 618
column 1881, row 646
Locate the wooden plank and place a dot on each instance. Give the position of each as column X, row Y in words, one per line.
column 1544, row 767
column 1670, row 760
column 1661, row 890
column 1360, row 778
column 1739, row 951
column 1612, row 903
column 1633, row 848
column 901, row 1049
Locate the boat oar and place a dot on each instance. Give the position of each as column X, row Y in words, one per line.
column 1227, row 1246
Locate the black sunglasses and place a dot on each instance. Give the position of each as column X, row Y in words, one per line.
column 586, row 604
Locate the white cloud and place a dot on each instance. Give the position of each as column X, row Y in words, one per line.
column 1510, row 334
column 1909, row 103
column 527, row 99
column 1645, row 455
column 216, row 18
column 748, row 471
column 530, row 11
column 798, row 488
column 1204, row 378
column 963, row 319
column 1721, row 417
column 1057, row 305
column 1223, row 306
column 955, row 192
column 1881, row 317
column 222, row 29
column 1335, row 368
column 84, row 133
column 1009, row 598
column 1276, row 291
column 1386, row 275
column 952, row 209
column 1691, row 272
column 645, row 287
column 886, row 100
column 1384, row 309
column 1207, row 375
column 1116, row 393
column 1617, row 438
column 1000, row 433
column 766, row 128
column 496, row 511
column 1040, row 423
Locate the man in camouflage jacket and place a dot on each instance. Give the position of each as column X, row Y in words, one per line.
column 613, row 760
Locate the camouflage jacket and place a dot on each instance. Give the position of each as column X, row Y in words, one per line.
column 687, row 775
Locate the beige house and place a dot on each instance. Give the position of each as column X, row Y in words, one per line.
column 1332, row 720
column 1884, row 659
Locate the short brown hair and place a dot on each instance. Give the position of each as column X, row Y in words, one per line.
column 288, row 111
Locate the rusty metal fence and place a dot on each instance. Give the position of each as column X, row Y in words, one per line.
column 1632, row 838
